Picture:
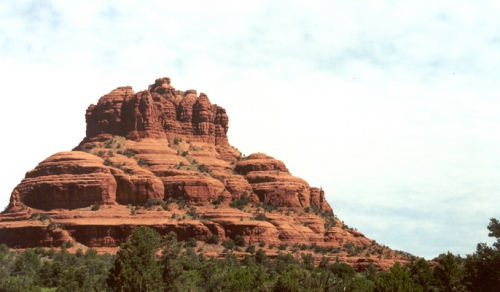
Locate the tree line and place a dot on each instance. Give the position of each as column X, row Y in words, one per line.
column 149, row 263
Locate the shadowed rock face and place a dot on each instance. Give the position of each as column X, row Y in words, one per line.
column 165, row 146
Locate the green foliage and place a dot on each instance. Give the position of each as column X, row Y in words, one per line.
column 250, row 249
column 261, row 217
column 136, row 267
column 449, row 273
column 422, row 274
column 43, row 217
column 140, row 266
column 129, row 152
column 192, row 212
column 239, row 240
column 191, row 242
column 171, row 266
column 142, row 162
column 217, row 201
column 203, row 168
column 213, row 239
column 151, row 203
column 95, row 207
column 240, row 203
column 228, row 243
column 267, row 207
column 483, row 267
column 398, row 278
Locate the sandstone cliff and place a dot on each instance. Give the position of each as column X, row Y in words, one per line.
column 161, row 158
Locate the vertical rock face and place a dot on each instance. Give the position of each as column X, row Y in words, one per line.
column 105, row 117
column 160, row 111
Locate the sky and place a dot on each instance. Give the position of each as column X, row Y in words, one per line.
column 390, row 106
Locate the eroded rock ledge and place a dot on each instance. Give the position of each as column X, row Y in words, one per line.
column 161, row 158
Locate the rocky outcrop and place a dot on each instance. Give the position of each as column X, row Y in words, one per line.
column 160, row 158
column 68, row 180
column 161, row 111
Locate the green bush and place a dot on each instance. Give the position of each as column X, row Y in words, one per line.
column 192, row 212
column 151, row 203
column 250, row 249
column 203, row 168
column 283, row 246
column 217, row 201
column 239, row 240
column 240, row 203
column 142, row 162
column 261, row 217
column 95, row 207
column 129, row 152
column 228, row 243
column 44, row 217
column 191, row 242
column 213, row 239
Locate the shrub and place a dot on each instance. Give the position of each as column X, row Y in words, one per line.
column 262, row 243
column 283, row 246
column 261, row 217
column 108, row 162
column 152, row 203
column 129, row 152
column 142, row 162
column 34, row 216
column 268, row 207
column 177, row 140
column 191, row 242
column 67, row 244
column 52, row 225
column 129, row 171
column 240, row 203
column 250, row 249
column 217, row 201
column 203, row 168
column 239, row 240
column 111, row 153
column 213, row 239
column 228, row 243
column 95, row 207
column 44, row 217
column 192, row 212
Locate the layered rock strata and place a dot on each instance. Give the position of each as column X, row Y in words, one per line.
column 161, row 158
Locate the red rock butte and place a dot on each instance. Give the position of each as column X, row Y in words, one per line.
column 161, row 158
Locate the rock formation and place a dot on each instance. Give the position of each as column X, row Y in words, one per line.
column 161, row 158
